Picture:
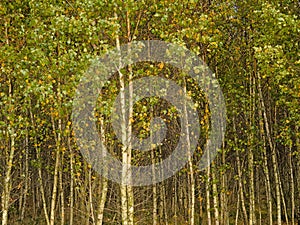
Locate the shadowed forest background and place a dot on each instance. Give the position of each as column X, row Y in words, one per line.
column 252, row 47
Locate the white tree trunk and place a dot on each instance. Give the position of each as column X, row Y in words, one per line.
column 104, row 181
column 273, row 152
column 7, row 180
column 215, row 195
column 71, row 181
column 190, row 164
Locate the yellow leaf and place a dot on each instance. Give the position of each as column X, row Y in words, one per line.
column 161, row 65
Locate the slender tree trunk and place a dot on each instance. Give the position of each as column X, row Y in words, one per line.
column 257, row 189
column 40, row 176
column 297, row 189
column 208, row 170
column 237, row 208
column 240, row 177
column 153, row 161
column 215, row 195
column 130, row 194
column 7, row 180
column 273, row 152
column 103, row 180
column 86, row 206
column 175, row 200
column 223, row 197
column 91, row 197
column 54, row 190
column 241, row 189
column 207, row 189
column 33, row 192
column 265, row 167
column 56, row 169
column 26, row 175
column 279, row 180
column 283, row 203
column 57, row 136
column 124, row 198
column 251, row 189
column 161, row 205
column 154, row 188
column 292, row 184
column 252, row 219
column 163, row 195
column 129, row 129
column 42, row 189
column 123, row 186
column 21, row 189
column 61, row 192
column 191, row 211
column 71, row 181
column 163, row 213
column 104, row 189
column 200, row 207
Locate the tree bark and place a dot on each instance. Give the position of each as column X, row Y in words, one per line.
column 71, row 218
column 273, row 152
column 207, row 189
column 124, row 139
column 40, row 175
column 252, row 219
column 129, row 127
column 240, row 177
column 266, row 168
column 61, row 192
column 215, row 195
column 104, row 181
column 292, row 184
column 190, row 163
column 7, row 180
column 54, row 190
column 26, row 175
